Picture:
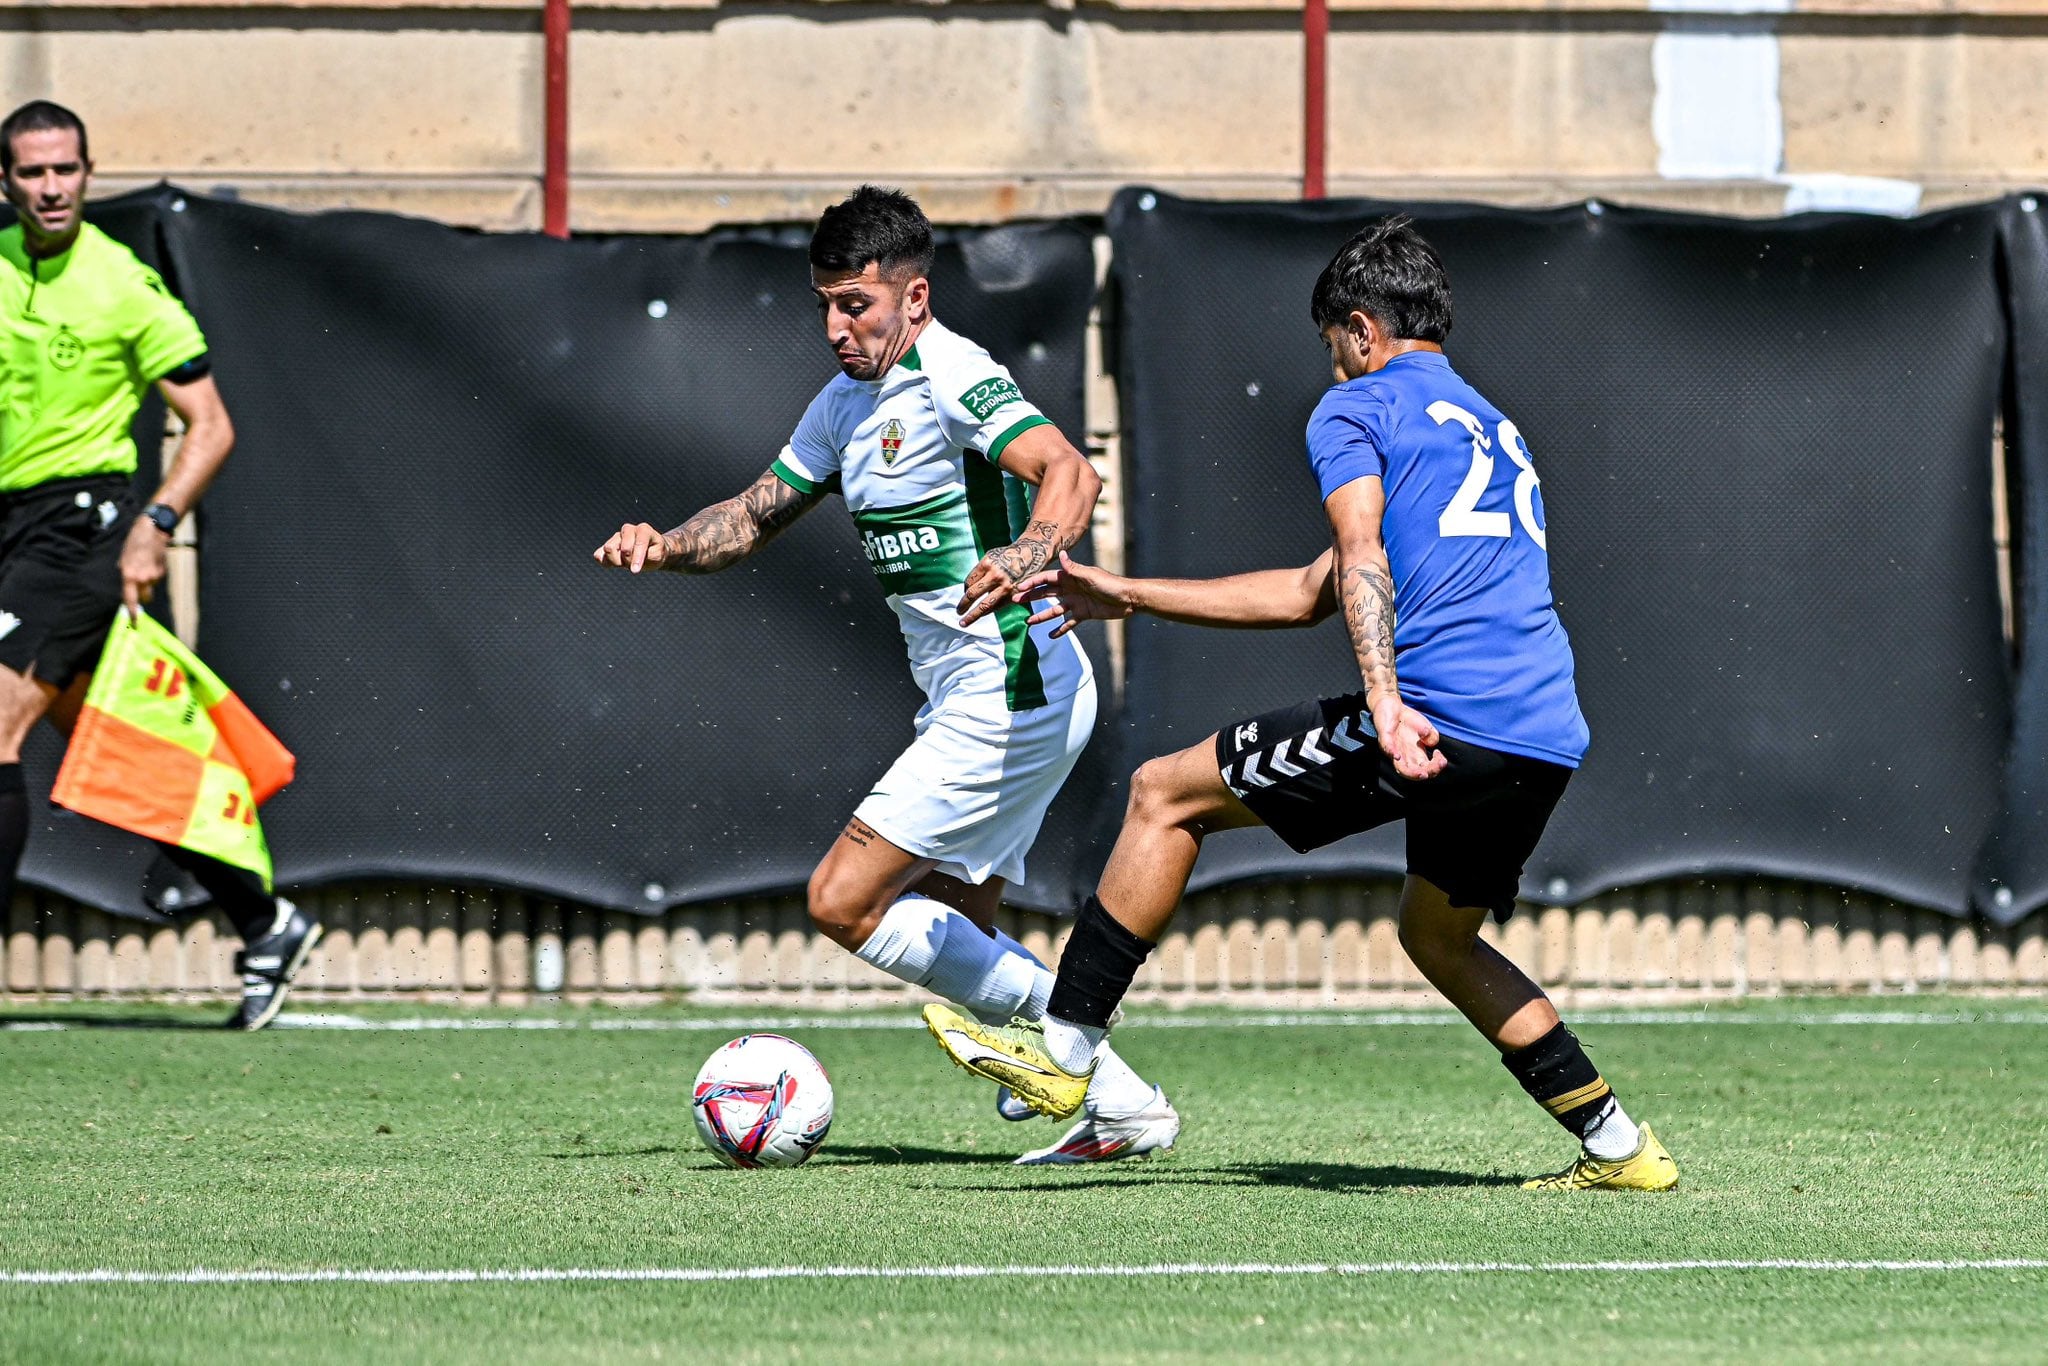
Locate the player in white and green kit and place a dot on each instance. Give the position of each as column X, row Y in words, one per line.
column 961, row 489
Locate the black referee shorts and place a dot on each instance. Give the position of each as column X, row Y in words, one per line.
column 60, row 573
column 1314, row 773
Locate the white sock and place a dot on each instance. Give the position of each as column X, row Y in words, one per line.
column 929, row 944
column 1116, row 1091
column 1614, row 1135
column 1010, row 945
column 1018, row 986
column 907, row 941
column 1072, row 1045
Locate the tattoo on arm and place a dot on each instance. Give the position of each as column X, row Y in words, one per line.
column 857, row 831
column 1032, row 551
column 726, row 533
column 1368, row 595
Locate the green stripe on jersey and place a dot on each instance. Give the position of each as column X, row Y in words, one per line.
column 919, row 547
column 1002, row 443
column 988, row 510
column 781, row 470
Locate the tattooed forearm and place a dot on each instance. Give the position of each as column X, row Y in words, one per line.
column 726, row 533
column 1032, row 551
column 1368, row 596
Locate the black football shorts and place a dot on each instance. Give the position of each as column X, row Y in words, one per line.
column 60, row 573
column 1314, row 773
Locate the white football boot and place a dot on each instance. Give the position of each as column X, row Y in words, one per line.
column 1011, row 1108
column 1095, row 1138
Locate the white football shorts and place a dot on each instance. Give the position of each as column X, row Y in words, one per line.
column 973, row 788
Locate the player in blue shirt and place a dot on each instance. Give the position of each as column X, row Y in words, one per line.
column 1468, row 727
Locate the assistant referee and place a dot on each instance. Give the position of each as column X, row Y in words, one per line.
column 85, row 329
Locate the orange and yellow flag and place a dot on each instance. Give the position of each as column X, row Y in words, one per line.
column 164, row 749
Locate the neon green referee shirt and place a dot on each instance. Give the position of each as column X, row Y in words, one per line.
column 82, row 337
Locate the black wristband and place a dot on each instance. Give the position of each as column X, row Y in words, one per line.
column 163, row 517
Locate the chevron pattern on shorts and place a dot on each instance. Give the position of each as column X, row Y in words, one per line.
column 1245, row 772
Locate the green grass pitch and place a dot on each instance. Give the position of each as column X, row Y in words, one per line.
column 136, row 1140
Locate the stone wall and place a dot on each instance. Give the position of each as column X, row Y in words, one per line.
column 685, row 114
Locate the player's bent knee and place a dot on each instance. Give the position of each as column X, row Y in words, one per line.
column 1162, row 794
column 1430, row 941
column 843, row 909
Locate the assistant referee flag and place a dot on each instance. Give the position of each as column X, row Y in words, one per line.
column 163, row 748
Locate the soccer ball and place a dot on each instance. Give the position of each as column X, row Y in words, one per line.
column 762, row 1101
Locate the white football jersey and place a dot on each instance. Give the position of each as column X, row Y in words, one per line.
column 914, row 454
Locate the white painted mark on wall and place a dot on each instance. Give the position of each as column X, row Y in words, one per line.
column 1716, row 114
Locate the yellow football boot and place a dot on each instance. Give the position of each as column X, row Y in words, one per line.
column 1014, row 1057
column 1648, row 1168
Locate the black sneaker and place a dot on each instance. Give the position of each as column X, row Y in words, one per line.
column 269, row 963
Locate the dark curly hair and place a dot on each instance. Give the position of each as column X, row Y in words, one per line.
column 1388, row 272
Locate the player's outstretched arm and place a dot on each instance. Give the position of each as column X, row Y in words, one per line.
column 721, row 535
column 1365, row 588
column 1067, row 489
column 1265, row 599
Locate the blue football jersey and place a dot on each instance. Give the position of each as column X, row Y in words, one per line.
column 1478, row 647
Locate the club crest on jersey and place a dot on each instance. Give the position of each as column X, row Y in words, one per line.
column 892, row 442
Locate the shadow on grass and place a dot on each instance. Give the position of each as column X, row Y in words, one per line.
column 1318, row 1176
column 1346, row 1176
column 581, row 1153
column 137, row 1021
column 884, row 1155
column 834, row 1155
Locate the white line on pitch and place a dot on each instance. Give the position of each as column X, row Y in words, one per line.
column 1249, row 1020
column 206, row 1276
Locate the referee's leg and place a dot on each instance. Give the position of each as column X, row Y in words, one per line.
column 23, row 701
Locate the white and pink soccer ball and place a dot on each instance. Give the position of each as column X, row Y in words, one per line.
column 762, row 1101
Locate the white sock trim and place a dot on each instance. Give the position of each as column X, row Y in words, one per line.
column 1614, row 1135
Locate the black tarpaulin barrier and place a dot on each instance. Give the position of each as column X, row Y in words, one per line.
column 1765, row 450
column 94, row 863
column 2012, row 874
column 436, row 428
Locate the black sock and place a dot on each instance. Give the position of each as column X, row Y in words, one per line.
column 237, row 891
column 1558, row 1075
column 1096, row 969
column 13, row 830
